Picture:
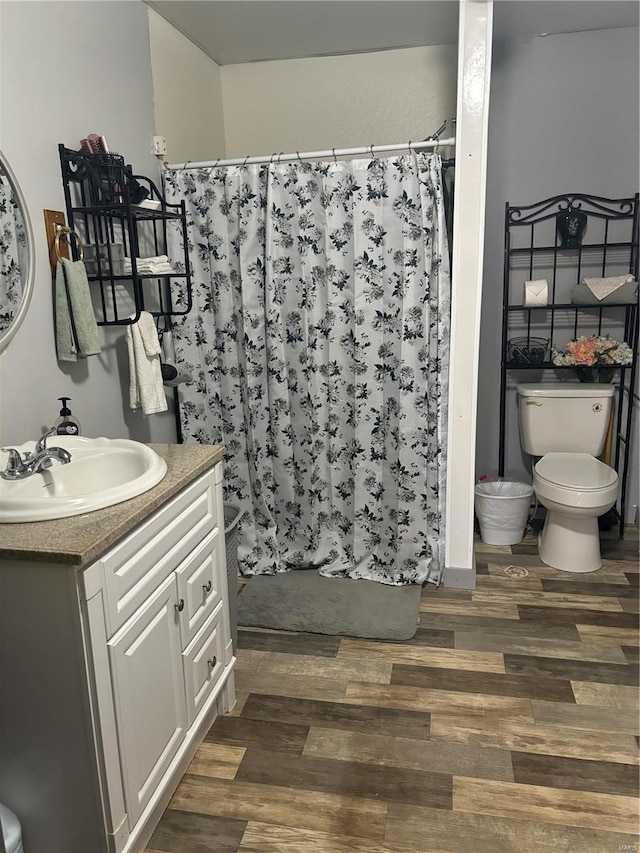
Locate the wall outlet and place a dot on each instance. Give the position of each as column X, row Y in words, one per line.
column 159, row 146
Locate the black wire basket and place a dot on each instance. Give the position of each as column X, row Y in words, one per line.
column 108, row 177
column 528, row 351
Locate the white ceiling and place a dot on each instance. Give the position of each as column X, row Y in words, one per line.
column 234, row 31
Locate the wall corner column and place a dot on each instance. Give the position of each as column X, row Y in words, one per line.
column 474, row 75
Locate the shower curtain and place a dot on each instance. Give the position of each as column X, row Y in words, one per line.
column 319, row 341
column 13, row 254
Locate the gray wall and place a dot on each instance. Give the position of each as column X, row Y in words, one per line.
column 563, row 118
column 68, row 69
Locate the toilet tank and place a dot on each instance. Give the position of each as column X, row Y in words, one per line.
column 564, row 417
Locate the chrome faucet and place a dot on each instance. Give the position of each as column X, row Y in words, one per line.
column 19, row 467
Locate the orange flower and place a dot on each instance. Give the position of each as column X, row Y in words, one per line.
column 584, row 352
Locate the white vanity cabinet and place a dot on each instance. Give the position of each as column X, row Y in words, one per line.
column 138, row 662
column 158, row 601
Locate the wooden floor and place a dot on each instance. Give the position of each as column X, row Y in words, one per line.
column 509, row 723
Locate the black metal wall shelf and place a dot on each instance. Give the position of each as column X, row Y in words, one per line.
column 614, row 250
column 536, row 250
column 140, row 213
column 103, row 198
column 568, row 306
column 549, row 365
column 142, row 276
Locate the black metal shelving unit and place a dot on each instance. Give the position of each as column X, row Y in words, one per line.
column 564, row 239
column 100, row 194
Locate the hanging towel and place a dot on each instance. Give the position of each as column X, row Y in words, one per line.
column 603, row 287
column 145, row 376
column 76, row 328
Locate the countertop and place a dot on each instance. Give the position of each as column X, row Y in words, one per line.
column 81, row 539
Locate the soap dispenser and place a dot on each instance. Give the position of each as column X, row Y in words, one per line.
column 66, row 424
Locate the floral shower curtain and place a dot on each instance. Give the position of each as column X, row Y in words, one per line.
column 319, row 342
column 13, row 254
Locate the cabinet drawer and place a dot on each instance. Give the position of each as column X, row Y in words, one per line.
column 199, row 586
column 138, row 564
column 204, row 663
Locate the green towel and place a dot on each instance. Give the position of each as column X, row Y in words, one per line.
column 76, row 328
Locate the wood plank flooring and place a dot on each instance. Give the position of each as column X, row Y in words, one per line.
column 508, row 723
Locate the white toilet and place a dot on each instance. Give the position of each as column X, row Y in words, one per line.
column 566, row 424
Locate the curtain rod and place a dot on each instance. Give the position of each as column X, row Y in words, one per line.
column 314, row 155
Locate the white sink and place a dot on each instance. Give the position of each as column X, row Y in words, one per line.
column 102, row 472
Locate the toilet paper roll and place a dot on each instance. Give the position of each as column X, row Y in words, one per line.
column 536, row 293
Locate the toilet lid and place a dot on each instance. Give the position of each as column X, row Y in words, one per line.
column 576, row 471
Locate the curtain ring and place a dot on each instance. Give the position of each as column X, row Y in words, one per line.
column 271, row 158
column 335, row 159
column 299, row 157
column 280, row 155
column 245, row 160
column 186, row 164
column 371, row 151
column 409, row 146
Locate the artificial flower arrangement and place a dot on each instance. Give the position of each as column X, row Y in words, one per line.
column 592, row 357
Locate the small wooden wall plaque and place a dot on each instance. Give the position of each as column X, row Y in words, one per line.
column 52, row 218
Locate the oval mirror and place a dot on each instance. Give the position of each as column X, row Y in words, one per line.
column 17, row 270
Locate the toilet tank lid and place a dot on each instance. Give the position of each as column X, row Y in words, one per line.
column 566, row 389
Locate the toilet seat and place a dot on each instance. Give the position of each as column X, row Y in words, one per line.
column 574, row 480
column 578, row 471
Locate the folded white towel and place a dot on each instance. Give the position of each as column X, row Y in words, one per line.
column 145, row 375
column 145, row 268
column 158, row 271
column 603, row 287
column 141, row 267
column 155, row 259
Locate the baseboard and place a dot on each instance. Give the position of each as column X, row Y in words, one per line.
column 460, row 578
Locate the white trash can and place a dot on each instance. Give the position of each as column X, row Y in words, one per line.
column 502, row 507
column 11, row 831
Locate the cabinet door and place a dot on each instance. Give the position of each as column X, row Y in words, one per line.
column 204, row 662
column 199, row 586
column 146, row 667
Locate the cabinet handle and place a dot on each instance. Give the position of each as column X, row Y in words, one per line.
column 212, row 662
column 180, row 605
column 207, row 587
